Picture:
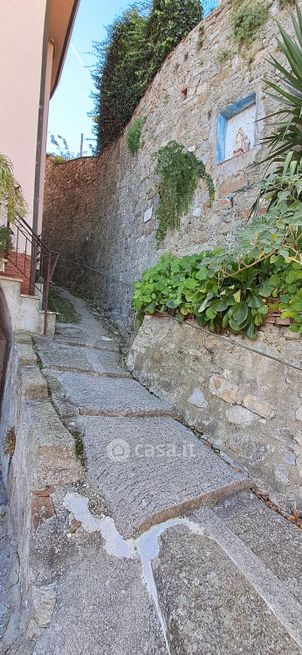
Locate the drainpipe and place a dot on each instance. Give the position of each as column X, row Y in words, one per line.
column 39, row 148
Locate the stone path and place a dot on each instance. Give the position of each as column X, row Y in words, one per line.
column 160, row 547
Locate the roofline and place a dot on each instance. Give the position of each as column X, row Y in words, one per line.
column 76, row 5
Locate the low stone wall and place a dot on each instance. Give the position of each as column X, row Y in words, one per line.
column 245, row 397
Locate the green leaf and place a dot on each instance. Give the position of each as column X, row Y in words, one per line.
column 240, row 313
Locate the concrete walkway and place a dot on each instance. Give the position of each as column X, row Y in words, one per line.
column 160, row 547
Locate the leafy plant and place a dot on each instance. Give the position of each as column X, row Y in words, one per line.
column 230, row 288
column 63, row 151
column 11, row 195
column 286, row 130
column 223, row 55
column 247, row 18
column 6, row 241
column 179, row 172
column 134, row 133
column 136, row 46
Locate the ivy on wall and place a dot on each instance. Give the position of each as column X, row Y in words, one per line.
column 134, row 133
column 179, row 172
column 136, row 46
column 247, row 18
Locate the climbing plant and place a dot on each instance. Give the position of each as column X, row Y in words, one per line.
column 247, row 17
column 179, row 172
column 11, row 195
column 134, row 133
column 136, row 46
column 233, row 288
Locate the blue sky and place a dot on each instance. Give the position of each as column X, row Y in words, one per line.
column 71, row 101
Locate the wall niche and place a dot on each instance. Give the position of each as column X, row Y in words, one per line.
column 236, row 132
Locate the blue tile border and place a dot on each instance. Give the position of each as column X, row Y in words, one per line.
column 228, row 112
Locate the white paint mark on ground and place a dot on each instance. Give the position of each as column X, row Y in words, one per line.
column 114, row 543
column 146, row 547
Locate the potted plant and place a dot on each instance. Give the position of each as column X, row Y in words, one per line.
column 12, row 206
column 6, row 244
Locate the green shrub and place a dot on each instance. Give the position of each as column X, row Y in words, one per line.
column 11, row 195
column 136, row 46
column 230, row 288
column 6, row 240
column 134, row 133
column 247, row 18
column 179, row 172
column 223, row 55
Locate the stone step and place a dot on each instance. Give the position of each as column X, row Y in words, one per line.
column 26, row 354
column 274, row 540
column 102, row 607
column 55, row 454
column 207, row 594
column 152, row 469
column 83, row 360
column 34, row 383
column 79, row 393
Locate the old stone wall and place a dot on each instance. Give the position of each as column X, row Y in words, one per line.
column 100, row 212
column 244, row 397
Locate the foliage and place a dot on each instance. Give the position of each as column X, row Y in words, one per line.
column 286, row 130
column 6, row 241
column 10, row 191
column 223, row 55
column 179, row 172
column 63, row 307
column 168, row 23
column 134, row 133
column 136, row 46
column 247, row 18
column 230, row 288
column 63, row 151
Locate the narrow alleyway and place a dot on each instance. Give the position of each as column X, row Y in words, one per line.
column 161, row 547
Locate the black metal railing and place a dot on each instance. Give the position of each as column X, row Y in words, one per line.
column 32, row 258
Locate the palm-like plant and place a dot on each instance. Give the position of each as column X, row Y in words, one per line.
column 286, row 134
column 11, row 195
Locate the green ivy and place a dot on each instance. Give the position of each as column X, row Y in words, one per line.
column 247, row 18
column 6, row 241
column 134, row 133
column 230, row 288
column 127, row 61
column 179, row 172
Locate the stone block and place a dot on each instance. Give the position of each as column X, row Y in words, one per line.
column 220, row 387
column 233, row 184
column 238, row 415
column 34, row 383
column 152, row 469
column 258, row 406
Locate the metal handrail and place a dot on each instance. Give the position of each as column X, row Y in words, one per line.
column 42, row 261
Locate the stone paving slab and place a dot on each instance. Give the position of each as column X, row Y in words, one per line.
column 152, row 469
column 55, row 461
column 276, row 541
column 99, row 396
column 102, row 608
column 87, row 360
column 26, row 354
column 209, row 606
column 34, row 383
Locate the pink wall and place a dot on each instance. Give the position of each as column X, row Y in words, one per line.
column 21, row 48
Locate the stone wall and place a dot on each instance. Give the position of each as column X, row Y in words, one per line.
column 100, row 212
column 245, row 397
